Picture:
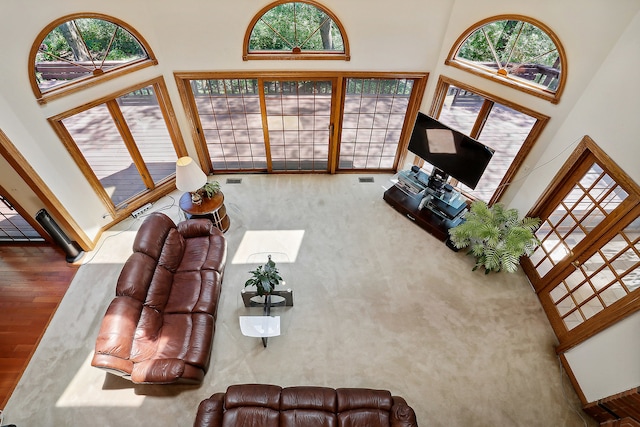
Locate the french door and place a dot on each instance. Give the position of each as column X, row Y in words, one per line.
column 126, row 144
column 587, row 269
column 313, row 122
column 299, row 124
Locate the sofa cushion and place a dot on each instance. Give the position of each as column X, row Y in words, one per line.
column 363, row 407
column 308, row 406
column 251, row 416
column 136, row 276
column 204, row 253
column 265, row 395
column 152, row 234
column 308, row 397
column 172, row 251
column 194, row 292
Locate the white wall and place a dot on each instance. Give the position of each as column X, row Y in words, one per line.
column 608, row 363
column 607, row 110
column 587, row 32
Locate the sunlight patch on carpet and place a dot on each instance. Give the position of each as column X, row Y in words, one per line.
column 282, row 245
column 89, row 387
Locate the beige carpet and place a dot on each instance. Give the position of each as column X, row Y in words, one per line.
column 378, row 303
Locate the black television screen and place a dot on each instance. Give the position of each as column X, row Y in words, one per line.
column 454, row 153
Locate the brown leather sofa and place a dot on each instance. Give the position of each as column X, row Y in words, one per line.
column 264, row 405
column 159, row 327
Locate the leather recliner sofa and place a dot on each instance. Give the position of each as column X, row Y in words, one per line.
column 159, row 327
column 264, row 405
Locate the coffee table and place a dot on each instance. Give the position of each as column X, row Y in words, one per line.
column 260, row 321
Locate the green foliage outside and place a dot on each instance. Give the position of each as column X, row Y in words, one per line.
column 514, row 41
column 89, row 38
column 292, row 25
column 496, row 237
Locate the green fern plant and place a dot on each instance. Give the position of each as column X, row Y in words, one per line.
column 209, row 189
column 495, row 236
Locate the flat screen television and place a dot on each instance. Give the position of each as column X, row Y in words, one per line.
column 450, row 151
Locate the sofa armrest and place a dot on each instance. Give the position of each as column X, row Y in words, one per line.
column 210, row 411
column 157, row 371
column 402, row 415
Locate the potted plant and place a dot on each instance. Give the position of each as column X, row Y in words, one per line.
column 209, row 189
column 265, row 278
column 496, row 236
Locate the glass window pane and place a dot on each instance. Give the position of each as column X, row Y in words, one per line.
column 293, row 25
column 520, row 49
column 77, row 48
column 229, row 112
column 146, row 123
column 372, row 122
column 96, row 135
column 298, row 114
column 460, row 109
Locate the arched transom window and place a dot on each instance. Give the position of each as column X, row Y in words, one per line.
column 295, row 30
column 77, row 48
column 516, row 51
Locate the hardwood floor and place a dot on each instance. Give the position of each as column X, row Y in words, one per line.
column 33, row 280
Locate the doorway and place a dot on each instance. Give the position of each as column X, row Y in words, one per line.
column 586, row 270
column 307, row 122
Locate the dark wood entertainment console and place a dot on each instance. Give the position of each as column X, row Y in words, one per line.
column 408, row 205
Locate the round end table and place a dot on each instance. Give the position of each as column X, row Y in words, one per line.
column 211, row 208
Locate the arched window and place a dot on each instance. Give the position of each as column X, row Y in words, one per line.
column 516, row 51
column 295, row 30
column 76, row 49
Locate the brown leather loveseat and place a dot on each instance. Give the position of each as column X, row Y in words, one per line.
column 264, row 405
column 159, row 327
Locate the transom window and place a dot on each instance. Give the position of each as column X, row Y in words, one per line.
column 295, row 30
column 75, row 49
column 515, row 51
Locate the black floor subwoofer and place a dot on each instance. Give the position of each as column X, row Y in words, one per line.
column 71, row 248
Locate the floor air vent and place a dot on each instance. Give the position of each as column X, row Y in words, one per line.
column 365, row 179
column 234, row 180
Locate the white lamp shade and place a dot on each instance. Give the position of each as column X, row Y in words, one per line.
column 189, row 176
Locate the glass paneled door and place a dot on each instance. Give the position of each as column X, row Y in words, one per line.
column 260, row 124
column 298, row 124
column 126, row 144
column 588, row 263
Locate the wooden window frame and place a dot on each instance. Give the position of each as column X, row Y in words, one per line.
column 518, row 84
column 550, row 197
column 91, row 80
column 165, row 186
column 541, row 121
column 322, row 55
column 420, row 81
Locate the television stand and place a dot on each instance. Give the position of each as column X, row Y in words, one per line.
column 437, row 216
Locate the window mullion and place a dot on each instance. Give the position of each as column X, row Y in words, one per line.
column 483, row 115
column 130, row 143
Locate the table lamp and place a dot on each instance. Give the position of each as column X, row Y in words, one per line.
column 190, row 178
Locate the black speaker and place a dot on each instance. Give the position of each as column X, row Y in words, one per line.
column 70, row 247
